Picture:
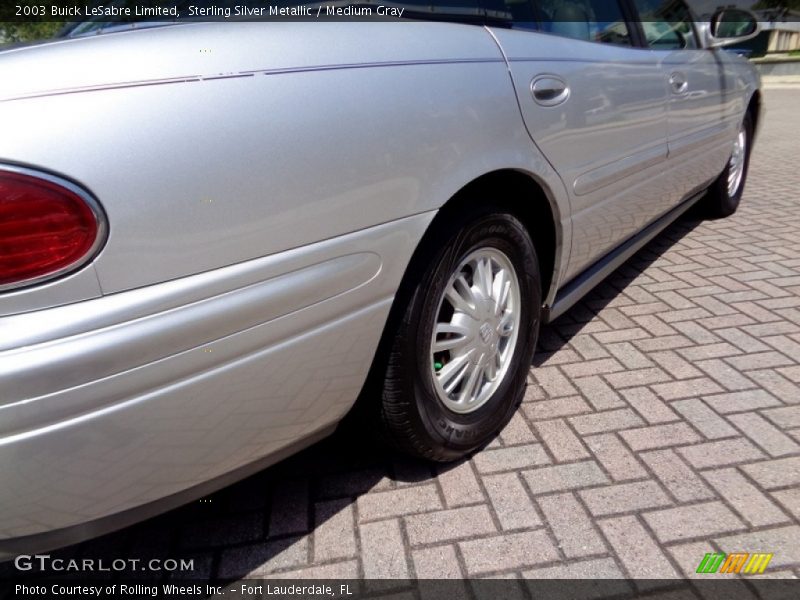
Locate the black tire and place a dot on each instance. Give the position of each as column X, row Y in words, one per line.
column 719, row 202
column 411, row 417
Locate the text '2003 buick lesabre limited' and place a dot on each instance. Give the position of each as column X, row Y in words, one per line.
column 216, row 237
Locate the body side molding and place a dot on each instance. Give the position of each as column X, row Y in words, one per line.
column 582, row 284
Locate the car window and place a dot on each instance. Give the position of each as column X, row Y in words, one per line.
column 591, row 20
column 667, row 24
column 517, row 14
column 468, row 9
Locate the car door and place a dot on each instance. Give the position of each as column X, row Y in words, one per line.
column 699, row 135
column 596, row 108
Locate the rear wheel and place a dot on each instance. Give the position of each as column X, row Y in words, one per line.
column 461, row 352
column 725, row 194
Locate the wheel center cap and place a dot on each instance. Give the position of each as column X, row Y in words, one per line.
column 486, row 333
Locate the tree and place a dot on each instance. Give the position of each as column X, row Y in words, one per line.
column 29, row 31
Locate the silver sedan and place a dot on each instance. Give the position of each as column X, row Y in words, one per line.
column 218, row 239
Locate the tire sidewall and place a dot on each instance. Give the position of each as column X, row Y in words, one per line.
column 461, row 432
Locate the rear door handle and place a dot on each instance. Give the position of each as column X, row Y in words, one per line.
column 549, row 90
column 678, row 83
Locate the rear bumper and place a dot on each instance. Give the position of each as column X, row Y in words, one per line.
column 123, row 401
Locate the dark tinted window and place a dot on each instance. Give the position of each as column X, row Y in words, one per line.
column 667, row 24
column 518, row 14
column 591, row 20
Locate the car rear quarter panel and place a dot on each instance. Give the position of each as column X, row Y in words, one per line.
column 265, row 187
column 245, row 140
column 127, row 399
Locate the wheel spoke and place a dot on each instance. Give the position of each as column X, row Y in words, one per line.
column 491, row 367
column 483, row 277
column 453, row 372
column 502, row 294
column 499, row 284
column 461, row 298
column 502, row 354
column 468, row 389
column 461, row 337
column 449, row 344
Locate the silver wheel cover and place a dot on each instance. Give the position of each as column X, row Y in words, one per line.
column 737, row 163
column 476, row 330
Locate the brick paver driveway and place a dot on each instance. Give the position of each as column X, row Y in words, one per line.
column 662, row 422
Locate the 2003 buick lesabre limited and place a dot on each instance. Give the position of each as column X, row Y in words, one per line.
column 215, row 237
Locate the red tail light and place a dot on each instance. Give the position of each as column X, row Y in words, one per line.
column 47, row 228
